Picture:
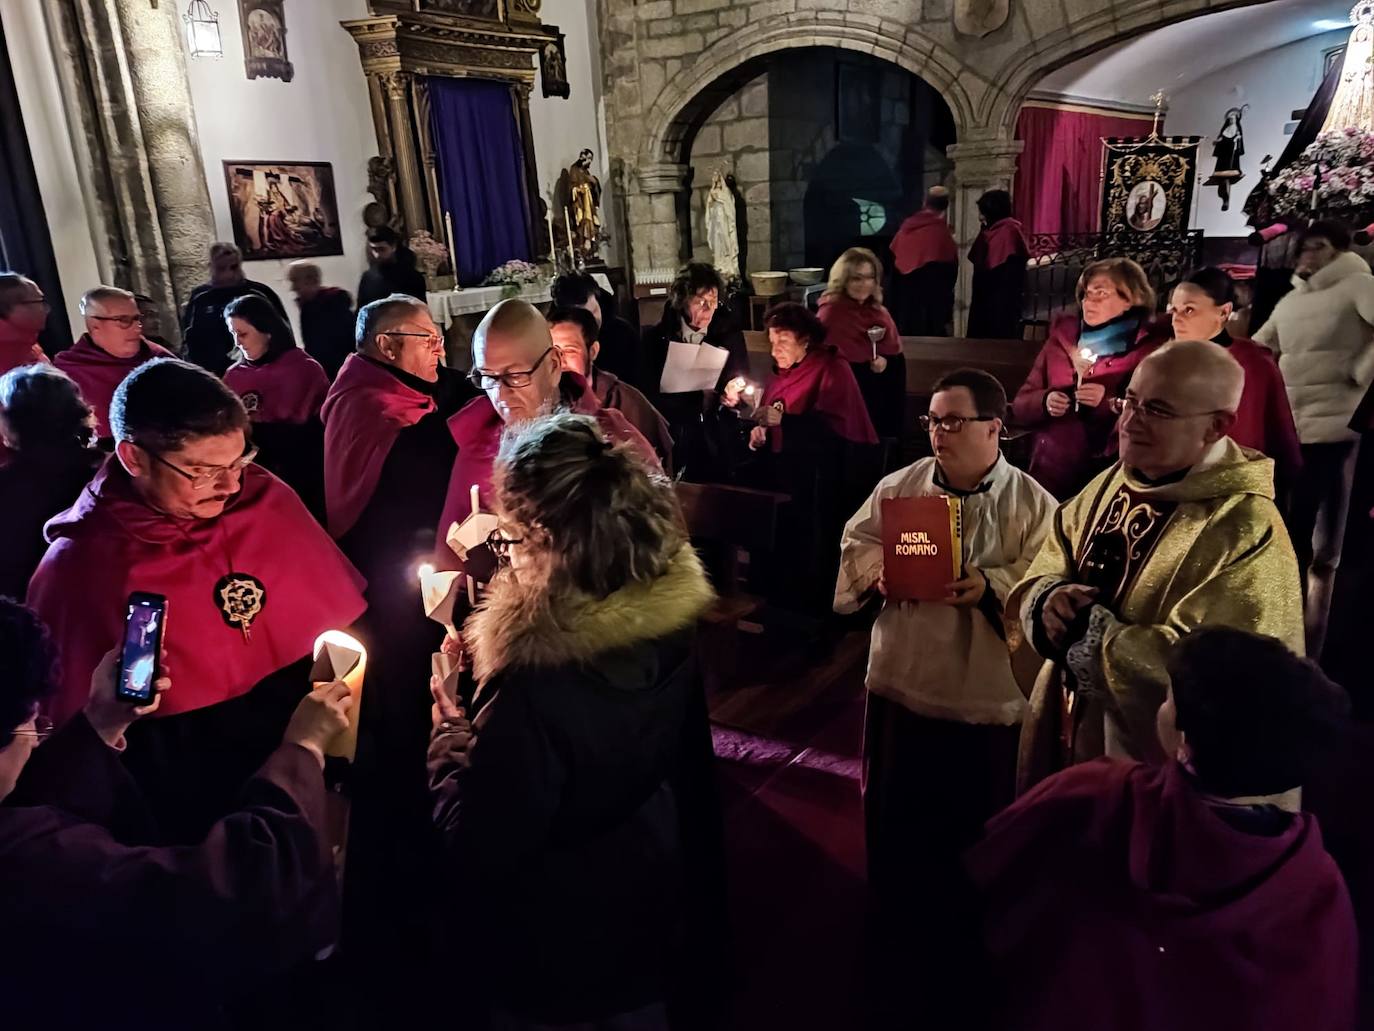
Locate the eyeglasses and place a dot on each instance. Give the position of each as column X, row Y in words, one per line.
column 435, row 340
column 500, row 545
column 513, row 378
column 122, row 321
column 205, row 480
column 1099, row 293
column 1154, row 409
column 951, row 423
column 703, row 303
column 42, row 730
column 40, row 301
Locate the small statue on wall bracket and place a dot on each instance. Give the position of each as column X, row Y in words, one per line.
column 1228, row 148
column 579, row 191
column 553, row 68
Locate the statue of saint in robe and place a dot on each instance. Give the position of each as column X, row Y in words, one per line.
column 722, row 235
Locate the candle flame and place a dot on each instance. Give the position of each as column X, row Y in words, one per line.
column 425, row 570
column 339, row 638
column 1088, row 353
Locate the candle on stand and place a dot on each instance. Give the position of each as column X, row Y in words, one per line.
column 341, row 657
column 452, row 251
column 567, row 222
column 553, row 251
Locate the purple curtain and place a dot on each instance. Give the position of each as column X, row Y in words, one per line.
column 481, row 173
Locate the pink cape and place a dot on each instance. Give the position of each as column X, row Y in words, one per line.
column 366, row 409
column 823, row 384
column 1264, row 420
column 999, row 243
column 923, row 239
column 477, row 429
column 110, row 543
column 99, row 373
column 847, row 324
column 18, row 349
column 290, row 388
column 1116, row 897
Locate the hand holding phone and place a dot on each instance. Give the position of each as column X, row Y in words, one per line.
column 107, row 714
column 144, row 624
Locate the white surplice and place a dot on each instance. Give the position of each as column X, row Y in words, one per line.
column 938, row 660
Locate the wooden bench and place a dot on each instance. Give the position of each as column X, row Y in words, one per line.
column 722, row 521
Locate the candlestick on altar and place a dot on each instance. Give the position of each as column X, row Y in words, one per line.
column 567, row 222
column 452, row 251
column 553, row 251
column 341, row 657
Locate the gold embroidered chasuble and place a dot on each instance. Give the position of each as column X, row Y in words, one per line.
column 1209, row 549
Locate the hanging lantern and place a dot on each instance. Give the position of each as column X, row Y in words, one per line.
column 202, row 30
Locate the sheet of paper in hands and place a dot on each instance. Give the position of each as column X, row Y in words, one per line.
column 692, row 367
column 341, row 657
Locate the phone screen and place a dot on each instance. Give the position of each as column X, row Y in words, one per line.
column 142, row 646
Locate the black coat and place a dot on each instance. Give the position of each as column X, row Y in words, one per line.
column 327, row 328
column 398, row 276
column 36, row 487
column 579, row 801
column 204, row 335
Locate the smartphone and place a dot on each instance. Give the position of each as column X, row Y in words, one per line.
column 138, row 662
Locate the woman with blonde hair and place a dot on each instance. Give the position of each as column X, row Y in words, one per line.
column 578, row 797
column 1086, row 363
column 862, row 330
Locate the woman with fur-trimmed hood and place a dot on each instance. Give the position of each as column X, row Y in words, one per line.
column 577, row 801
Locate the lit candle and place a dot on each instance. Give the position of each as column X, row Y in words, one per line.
column 437, row 590
column 876, row 333
column 341, row 657
column 1089, row 356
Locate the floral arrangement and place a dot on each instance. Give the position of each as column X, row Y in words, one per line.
column 1332, row 178
column 429, row 252
column 514, row 274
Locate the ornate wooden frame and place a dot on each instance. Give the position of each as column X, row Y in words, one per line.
column 407, row 40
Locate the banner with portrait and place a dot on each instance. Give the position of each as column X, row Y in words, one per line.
column 1147, row 184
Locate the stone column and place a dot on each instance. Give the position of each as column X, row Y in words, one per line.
column 657, row 213
column 128, row 100
column 409, row 176
column 979, row 165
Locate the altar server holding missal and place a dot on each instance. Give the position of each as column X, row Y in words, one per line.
column 944, row 710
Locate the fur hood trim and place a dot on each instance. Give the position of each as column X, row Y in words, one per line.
column 520, row 628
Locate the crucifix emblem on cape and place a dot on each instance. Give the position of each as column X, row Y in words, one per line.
column 240, row 598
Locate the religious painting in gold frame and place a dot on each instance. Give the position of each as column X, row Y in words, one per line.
column 1147, row 184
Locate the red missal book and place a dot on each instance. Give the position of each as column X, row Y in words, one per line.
column 922, row 547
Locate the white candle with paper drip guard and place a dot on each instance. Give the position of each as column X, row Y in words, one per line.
column 876, row 334
column 341, row 657
column 747, row 392
column 439, row 591
column 470, row 533
column 568, row 225
column 1089, row 356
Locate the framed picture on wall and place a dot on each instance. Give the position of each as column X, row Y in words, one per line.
column 1147, row 184
column 553, row 68
column 263, row 24
column 283, row 210
column 858, row 103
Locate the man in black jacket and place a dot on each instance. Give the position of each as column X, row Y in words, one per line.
column 391, row 269
column 326, row 316
column 204, row 335
column 620, row 347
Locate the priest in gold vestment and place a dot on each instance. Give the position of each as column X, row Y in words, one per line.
column 1182, row 532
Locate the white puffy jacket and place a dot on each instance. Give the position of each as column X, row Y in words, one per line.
column 1323, row 334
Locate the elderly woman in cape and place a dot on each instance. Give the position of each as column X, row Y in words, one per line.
column 578, row 793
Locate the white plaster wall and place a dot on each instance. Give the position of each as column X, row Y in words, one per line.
column 322, row 114
column 45, row 123
column 1274, row 84
column 563, row 127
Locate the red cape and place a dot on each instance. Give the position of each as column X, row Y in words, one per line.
column 364, row 412
column 923, row 239
column 999, row 243
column 1264, row 420
column 477, row 429
column 110, row 543
column 99, row 373
column 847, row 324
column 1116, row 897
column 822, row 383
column 17, row 348
column 290, row 388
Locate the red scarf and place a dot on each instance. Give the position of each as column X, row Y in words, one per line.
column 822, row 383
column 923, row 239
column 477, row 429
column 18, row 348
column 111, row 543
column 289, row 388
column 365, row 411
column 998, row 244
column 847, row 324
column 99, row 373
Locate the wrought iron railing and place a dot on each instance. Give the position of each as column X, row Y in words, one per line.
column 1058, row 259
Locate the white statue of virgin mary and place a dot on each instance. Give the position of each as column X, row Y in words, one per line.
column 1353, row 105
column 722, row 236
